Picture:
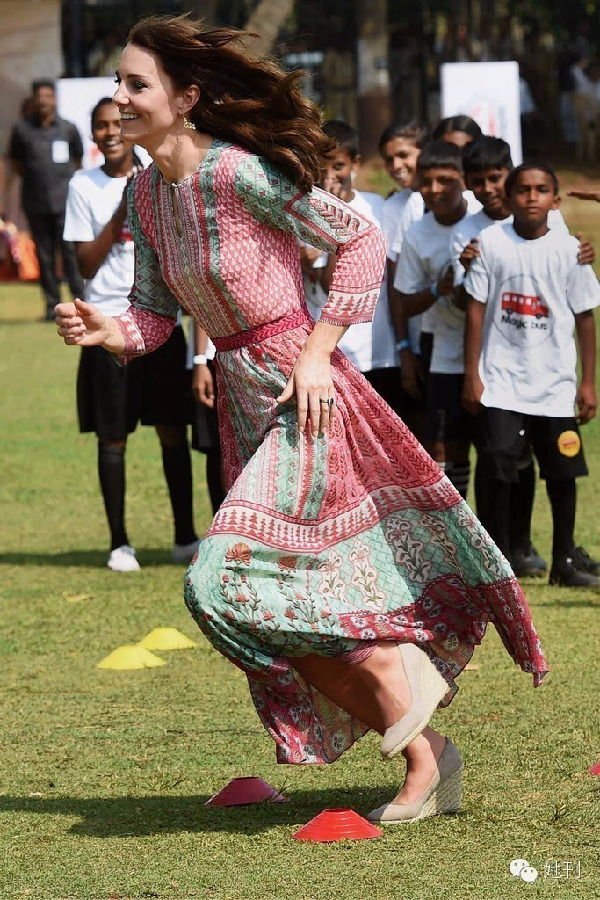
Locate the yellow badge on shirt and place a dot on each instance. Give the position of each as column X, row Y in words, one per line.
column 569, row 443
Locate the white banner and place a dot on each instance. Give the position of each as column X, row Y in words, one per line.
column 489, row 93
column 75, row 99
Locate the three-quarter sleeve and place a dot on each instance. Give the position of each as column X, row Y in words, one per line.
column 324, row 221
column 151, row 317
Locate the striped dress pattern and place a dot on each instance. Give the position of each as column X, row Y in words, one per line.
column 323, row 544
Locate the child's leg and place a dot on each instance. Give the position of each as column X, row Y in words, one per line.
column 499, row 446
column 177, row 466
column 521, row 507
column 449, row 429
column 214, row 477
column 557, row 445
column 111, row 474
column 563, row 499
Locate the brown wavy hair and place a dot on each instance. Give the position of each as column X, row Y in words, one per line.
column 252, row 103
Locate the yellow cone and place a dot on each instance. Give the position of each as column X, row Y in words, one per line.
column 130, row 656
column 166, row 639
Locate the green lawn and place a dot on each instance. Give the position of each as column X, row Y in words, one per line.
column 104, row 775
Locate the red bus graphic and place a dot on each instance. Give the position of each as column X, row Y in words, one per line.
column 524, row 305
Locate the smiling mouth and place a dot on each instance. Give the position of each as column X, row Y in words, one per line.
column 127, row 117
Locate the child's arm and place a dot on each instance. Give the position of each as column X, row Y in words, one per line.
column 203, row 387
column 585, row 195
column 416, row 303
column 473, row 387
column 586, row 395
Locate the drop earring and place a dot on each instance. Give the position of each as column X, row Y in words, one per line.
column 188, row 124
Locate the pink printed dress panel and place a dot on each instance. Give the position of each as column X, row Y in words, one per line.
column 323, row 545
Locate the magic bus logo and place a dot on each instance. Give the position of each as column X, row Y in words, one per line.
column 524, row 317
column 524, row 305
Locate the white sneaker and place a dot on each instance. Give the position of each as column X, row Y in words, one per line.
column 122, row 559
column 184, row 553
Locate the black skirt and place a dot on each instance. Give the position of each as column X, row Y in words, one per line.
column 153, row 389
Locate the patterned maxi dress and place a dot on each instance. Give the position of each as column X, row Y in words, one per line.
column 323, row 545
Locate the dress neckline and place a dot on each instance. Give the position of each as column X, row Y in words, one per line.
column 175, row 184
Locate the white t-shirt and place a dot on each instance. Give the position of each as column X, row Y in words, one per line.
column 369, row 345
column 425, row 256
column 414, row 209
column 391, row 215
column 471, row 227
column 414, row 212
column 532, row 289
column 92, row 199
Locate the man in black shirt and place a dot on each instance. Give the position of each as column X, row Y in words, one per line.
column 45, row 150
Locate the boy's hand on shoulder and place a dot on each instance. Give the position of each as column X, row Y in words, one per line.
column 472, row 393
column 470, row 253
column 587, row 403
column 586, row 255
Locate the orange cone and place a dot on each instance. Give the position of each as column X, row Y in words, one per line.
column 337, row 825
column 241, row 791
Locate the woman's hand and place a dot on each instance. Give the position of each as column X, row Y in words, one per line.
column 82, row 324
column 312, row 384
column 203, row 386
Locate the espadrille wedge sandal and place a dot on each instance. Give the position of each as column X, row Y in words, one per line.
column 427, row 688
column 443, row 795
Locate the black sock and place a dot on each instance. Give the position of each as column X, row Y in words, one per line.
column 458, row 473
column 111, row 472
column 213, row 478
column 521, row 508
column 177, row 467
column 493, row 509
column 563, row 499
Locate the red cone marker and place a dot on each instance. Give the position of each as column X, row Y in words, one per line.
column 241, row 791
column 595, row 770
column 337, row 825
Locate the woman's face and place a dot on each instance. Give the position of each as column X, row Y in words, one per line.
column 149, row 105
column 400, row 159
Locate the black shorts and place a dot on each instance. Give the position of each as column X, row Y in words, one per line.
column 504, row 436
column 388, row 384
column 447, row 419
column 153, row 389
column 205, row 425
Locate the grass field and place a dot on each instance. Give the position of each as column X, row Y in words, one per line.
column 104, row 775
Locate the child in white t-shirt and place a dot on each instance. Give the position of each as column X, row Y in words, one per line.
column 400, row 147
column 369, row 345
column 424, row 281
column 527, row 294
column 155, row 389
column 415, row 337
column 487, row 164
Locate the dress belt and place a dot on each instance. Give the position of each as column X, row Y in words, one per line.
column 262, row 332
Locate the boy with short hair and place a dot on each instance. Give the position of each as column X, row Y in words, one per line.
column 487, row 163
column 527, row 294
column 424, row 280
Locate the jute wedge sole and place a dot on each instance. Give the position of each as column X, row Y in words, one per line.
column 427, row 688
column 443, row 795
